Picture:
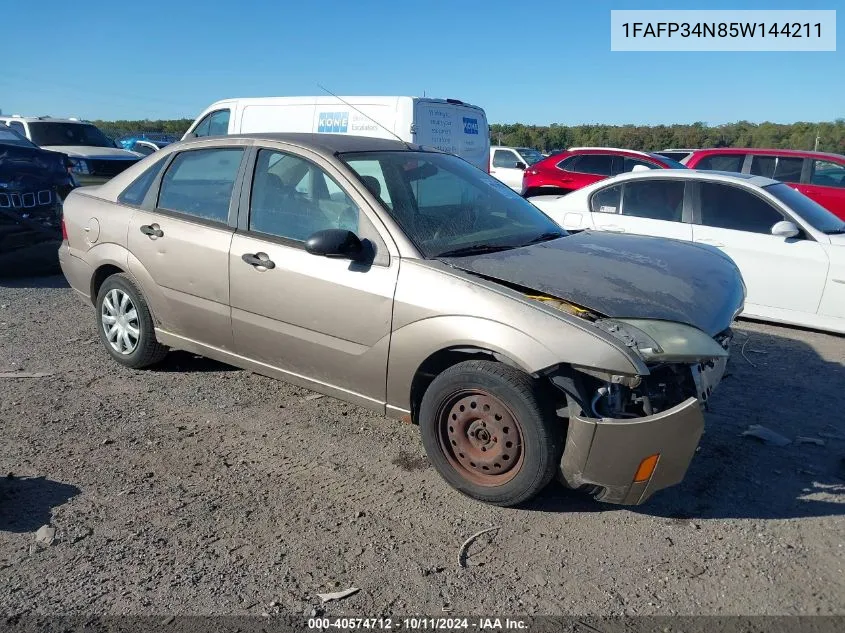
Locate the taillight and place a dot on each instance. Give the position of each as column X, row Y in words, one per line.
column 64, row 231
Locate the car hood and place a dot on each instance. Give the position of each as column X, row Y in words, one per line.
column 84, row 151
column 29, row 168
column 623, row 276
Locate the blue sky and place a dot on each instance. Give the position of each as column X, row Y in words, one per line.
column 540, row 61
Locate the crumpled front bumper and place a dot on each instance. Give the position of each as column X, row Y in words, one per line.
column 608, row 452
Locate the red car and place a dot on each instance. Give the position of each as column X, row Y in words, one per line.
column 581, row 166
column 818, row 175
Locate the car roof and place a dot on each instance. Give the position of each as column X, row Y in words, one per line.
column 693, row 174
column 802, row 153
column 43, row 119
column 614, row 150
column 323, row 143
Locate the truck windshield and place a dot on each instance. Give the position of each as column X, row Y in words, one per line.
column 57, row 133
column 446, row 206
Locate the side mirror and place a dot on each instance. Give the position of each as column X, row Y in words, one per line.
column 786, row 229
column 520, row 165
column 335, row 243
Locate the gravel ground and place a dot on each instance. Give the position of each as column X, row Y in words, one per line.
column 197, row 488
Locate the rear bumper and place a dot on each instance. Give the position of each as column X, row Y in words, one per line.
column 77, row 272
column 607, row 452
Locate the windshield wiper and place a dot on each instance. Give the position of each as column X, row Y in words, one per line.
column 545, row 237
column 835, row 231
column 475, row 249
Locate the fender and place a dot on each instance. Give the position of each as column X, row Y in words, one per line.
column 156, row 301
column 413, row 343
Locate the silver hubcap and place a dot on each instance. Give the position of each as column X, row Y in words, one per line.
column 120, row 322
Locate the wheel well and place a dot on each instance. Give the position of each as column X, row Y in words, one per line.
column 440, row 361
column 100, row 275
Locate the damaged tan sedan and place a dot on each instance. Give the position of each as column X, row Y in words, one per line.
column 405, row 280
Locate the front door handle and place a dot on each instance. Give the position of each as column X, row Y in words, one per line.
column 258, row 260
column 613, row 228
column 707, row 240
column 153, row 230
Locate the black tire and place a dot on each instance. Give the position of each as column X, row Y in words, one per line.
column 147, row 350
column 540, row 429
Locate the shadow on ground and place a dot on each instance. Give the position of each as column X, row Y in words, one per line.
column 178, row 361
column 792, row 391
column 27, row 503
column 52, row 280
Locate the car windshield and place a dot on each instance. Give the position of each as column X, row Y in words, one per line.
column 672, row 164
column 447, row 207
column 810, row 211
column 531, row 156
column 9, row 137
column 54, row 133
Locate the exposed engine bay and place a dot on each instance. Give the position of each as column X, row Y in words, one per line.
column 668, row 384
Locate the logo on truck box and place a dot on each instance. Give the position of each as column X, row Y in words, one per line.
column 337, row 122
column 470, row 126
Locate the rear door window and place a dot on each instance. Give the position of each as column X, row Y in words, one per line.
column 597, row 164
column 789, row 169
column 763, row 165
column 654, row 199
column 726, row 207
column 135, row 193
column 607, row 200
column 722, row 162
column 200, row 182
column 828, row 174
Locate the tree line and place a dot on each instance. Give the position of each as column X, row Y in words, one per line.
column 831, row 136
column 801, row 135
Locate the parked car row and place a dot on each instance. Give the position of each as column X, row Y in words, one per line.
column 818, row 175
column 93, row 155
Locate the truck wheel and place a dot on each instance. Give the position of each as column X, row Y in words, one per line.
column 125, row 324
column 490, row 433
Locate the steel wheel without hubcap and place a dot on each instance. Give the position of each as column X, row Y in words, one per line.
column 481, row 438
column 120, row 322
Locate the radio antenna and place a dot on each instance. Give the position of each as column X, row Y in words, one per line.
column 391, row 132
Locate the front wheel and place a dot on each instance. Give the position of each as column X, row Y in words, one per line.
column 490, row 433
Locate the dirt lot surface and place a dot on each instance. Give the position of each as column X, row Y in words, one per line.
column 196, row 488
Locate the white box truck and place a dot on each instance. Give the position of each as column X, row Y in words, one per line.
column 445, row 124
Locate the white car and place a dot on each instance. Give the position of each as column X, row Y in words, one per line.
column 508, row 164
column 790, row 250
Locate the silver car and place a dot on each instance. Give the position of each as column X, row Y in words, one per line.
column 405, row 280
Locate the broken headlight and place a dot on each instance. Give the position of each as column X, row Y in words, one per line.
column 664, row 341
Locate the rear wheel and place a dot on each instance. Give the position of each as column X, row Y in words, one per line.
column 125, row 325
column 490, row 433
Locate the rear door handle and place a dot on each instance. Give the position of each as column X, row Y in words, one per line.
column 258, row 260
column 153, row 230
column 707, row 240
